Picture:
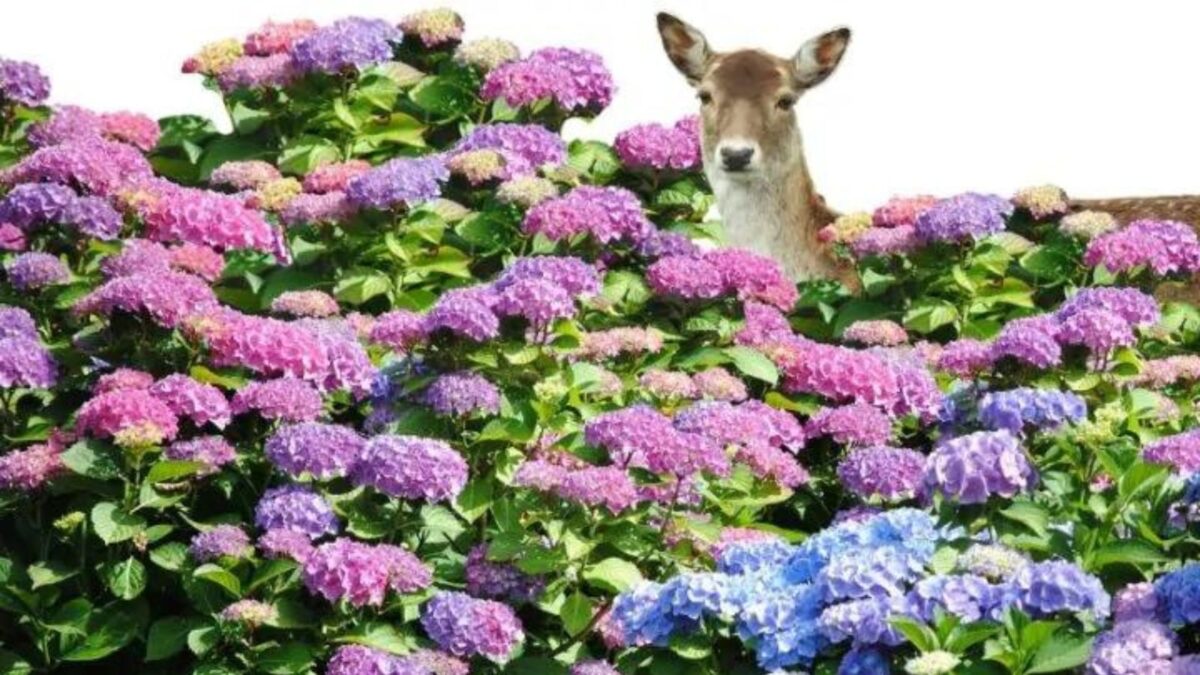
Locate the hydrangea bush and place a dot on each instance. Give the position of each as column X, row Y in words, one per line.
column 393, row 379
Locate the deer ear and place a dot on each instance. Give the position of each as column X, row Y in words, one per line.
column 819, row 56
column 685, row 46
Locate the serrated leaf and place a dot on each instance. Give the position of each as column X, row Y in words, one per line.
column 113, row 525
column 753, row 363
column 614, row 575
column 126, row 578
column 1059, row 653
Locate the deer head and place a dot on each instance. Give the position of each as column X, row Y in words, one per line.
column 747, row 97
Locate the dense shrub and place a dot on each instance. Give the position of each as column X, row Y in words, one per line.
column 392, row 379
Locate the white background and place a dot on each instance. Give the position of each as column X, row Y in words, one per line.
column 932, row 96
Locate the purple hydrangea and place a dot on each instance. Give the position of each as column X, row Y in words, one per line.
column 1162, row 246
column 853, row 424
column 1131, row 304
column 94, row 217
column 16, row 322
column 573, row 275
column 884, row 241
column 26, row 363
column 410, row 467
column 1181, row 452
column 211, row 451
column 316, row 208
column 353, row 42
column 1032, row 341
column 1018, row 409
column 863, row 621
column 1133, row 648
column 92, row 164
column 29, row 468
column 201, row 403
column 970, row 469
column 594, row 668
column 467, row 312
column 608, row 214
column 688, row 277
column 285, row 544
column 23, row 82
column 662, row 243
column 882, row 472
column 1099, row 330
column 535, row 144
column 538, row 301
column 961, row 217
column 462, row 393
column 295, row 507
column 320, row 450
column 1046, row 588
column 1137, row 601
column 33, row 204
column 405, row 181
column 466, row 626
column 218, row 542
column 286, row 398
column 965, row 357
column 596, row 486
column 361, row 660
column 500, row 581
column 398, row 329
column 66, row 123
column 966, row 596
column 642, row 437
column 573, row 78
column 34, row 270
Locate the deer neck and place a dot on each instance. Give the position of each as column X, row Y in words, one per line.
column 778, row 215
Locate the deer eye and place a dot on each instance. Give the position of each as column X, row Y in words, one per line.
column 705, row 97
column 785, row 102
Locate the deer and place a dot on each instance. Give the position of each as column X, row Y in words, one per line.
column 753, row 152
column 752, row 149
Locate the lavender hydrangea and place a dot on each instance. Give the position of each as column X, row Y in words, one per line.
column 1027, row 407
column 966, row 216
column 287, row 398
column 26, row 363
column 853, row 424
column 970, row 469
column 295, row 507
column 1031, row 341
column 352, row 42
column 409, row 467
column 16, row 322
column 1046, row 588
column 399, row 182
column 1133, row 648
column 462, row 393
column 218, row 542
column 34, row 270
column 361, row 574
column 533, row 143
column 33, row 204
column 1162, row 246
column 1131, row 304
column 1099, row 330
column 882, row 472
column 23, row 82
column 1180, row 451
column 466, row 626
column 467, row 312
column 320, row 450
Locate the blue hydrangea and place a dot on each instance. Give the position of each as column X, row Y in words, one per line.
column 863, row 622
column 1029, row 407
column 878, row 573
column 966, row 596
column 1179, row 593
column 745, row 557
column 1046, row 588
column 783, row 627
column 645, row 617
column 865, row 661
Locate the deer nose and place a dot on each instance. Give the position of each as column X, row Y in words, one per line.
column 736, row 158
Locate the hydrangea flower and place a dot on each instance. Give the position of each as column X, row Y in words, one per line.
column 1042, row 201
column 885, row 241
column 1046, row 588
column 94, row 165
column 320, row 450
column 1180, row 451
column 466, row 626
column 1133, row 647
column 305, row 303
column 32, row 204
column 213, row 57
column 486, row 54
column 961, row 217
column 211, row 451
column 398, row 329
column 29, row 468
column 538, row 301
column 462, row 393
column 1088, row 225
column 409, row 467
column 133, row 413
column 1178, row 594
column 1031, row 341
column 252, row 613
column 286, row 398
column 667, row 384
column 248, row 174
column 285, row 544
column 334, row 177
column 608, row 214
column 655, row 146
column 965, row 357
column 853, row 424
column 902, row 211
column 220, row 541
column 1130, row 304
column 970, row 469
column 434, row 27
column 467, row 312
column 685, row 276
column 32, row 271
column 719, row 384
column 350, row 43
column 992, row 561
column 572, row 78
column 1099, row 330
column 361, row 574
column 201, row 403
column 535, row 145
column 23, row 82
column 937, row 662
column 1163, row 246
column 295, row 507
column 1018, row 409
column 880, row 332
column 882, row 472
column 500, row 581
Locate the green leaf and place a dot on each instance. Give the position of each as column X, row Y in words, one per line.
column 535, row 665
column 202, row 639
column 170, row 556
column 443, row 96
column 12, row 664
column 399, row 128
column 359, row 288
column 1130, row 551
column 168, row 636
column 594, row 158
column 285, row 659
column 126, row 579
column 110, row 630
column 306, row 153
column 229, row 149
column 93, row 459
column 1031, row 515
column 929, row 315
column 1061, row 652
column 291, row 613
column 475, row 499
column 113, row 525
column 247, row 120
column 42, row 574
column 614, row 575
column 221, row 577
column 172, row 470
column 381, row 636
column 576, row 613
column 753, row 363
column 921, row 636
column 693, row 647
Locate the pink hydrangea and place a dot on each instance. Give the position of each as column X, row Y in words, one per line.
column 134, row 413
column 399, row 329
column 29, row 468
column 199, row 260
column 965, row 357
column 136, row 129
column 122, row 379
column 246, row 174
column 902, row 210
column 305, row 303
column 879, row 332
column 853, row 424
column 276, row 37
column 187, row 398
column 168, row 297
column 334, row 177
column 189, row 215
column 266, row 346
column 212, row 451
column 719, row 384
column 361, row 574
